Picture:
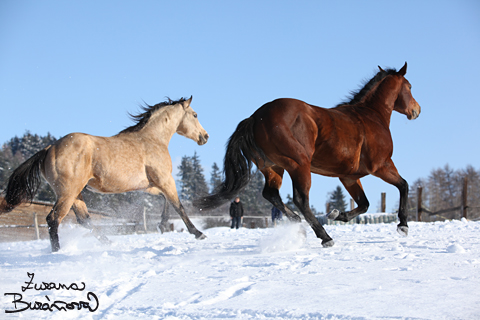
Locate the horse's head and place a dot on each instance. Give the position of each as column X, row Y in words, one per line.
column 189, row 126
column 405, row 103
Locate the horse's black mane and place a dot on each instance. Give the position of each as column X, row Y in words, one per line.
column 357, row 96
column 142, row 118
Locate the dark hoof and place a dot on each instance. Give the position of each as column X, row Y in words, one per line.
column 402, row 230
column 328, row 243
column 333, row 214
column 200, row 236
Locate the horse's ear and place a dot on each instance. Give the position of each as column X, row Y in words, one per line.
column 403, row 71
column 381, row 69
column 187, row 103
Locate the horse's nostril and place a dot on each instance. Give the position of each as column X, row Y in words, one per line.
column 207, row 136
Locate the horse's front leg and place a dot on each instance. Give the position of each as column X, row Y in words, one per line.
column 389, row 174
column 191, row 228
column 169, row 190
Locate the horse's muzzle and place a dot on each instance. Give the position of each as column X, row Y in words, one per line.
column 415, row 112
column 202, row 139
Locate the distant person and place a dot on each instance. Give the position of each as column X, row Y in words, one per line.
column 276, row 215
column 236, row 213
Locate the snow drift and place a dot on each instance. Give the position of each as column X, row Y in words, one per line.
column 277, row 273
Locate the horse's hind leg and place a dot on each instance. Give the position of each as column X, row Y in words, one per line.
column 83, row 218
column 354, row 188
column 273, row 182
column 301, row 178
column 55, row 217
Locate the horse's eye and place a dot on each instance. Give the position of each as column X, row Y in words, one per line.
column 194, row 115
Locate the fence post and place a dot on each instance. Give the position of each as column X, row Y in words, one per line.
column 384, row 204
column 464, row 206
column 352, row 204
column 35, row 224
column 419, row 203
column 145, row 219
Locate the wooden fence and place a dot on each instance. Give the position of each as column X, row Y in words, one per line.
column 463, row 207
column 28, row 222
column 361, row 219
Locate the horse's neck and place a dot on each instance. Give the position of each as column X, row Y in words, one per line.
column 162, row 126
column 383, row 98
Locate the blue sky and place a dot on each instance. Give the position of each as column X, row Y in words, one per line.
column 80, row 66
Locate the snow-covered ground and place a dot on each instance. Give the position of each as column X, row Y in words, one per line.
column 370, row 273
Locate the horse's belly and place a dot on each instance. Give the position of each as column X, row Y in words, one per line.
column 338, row 169
column 117, row 184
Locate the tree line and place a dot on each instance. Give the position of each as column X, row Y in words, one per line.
column 442, row 189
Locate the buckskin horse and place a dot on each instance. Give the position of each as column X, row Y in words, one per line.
column 349, row 141
column 137, row 158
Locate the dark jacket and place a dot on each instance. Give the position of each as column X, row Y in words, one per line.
column 236, row 209
column 276, row 214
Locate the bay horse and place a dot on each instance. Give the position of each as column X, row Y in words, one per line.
column 349, row 141
column 137, row 158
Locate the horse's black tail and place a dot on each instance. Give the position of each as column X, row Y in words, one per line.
column 24, row 182
column 237, row 164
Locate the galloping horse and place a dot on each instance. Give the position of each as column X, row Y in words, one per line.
column 349, row 141
column 135, row 159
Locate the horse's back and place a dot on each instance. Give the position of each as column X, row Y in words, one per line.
column 331, row 139
column 107, row 164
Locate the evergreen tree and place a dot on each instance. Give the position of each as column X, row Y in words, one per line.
column 290, row 203
column 337, row 200
column 18, row 150
column 215, row 177
column 30, row 144
column 185, row 174
column 199, row 185
column 252, row 198
column 192, row 181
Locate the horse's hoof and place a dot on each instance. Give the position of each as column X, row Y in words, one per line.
column 333, row 214
column 328, row 244
column 402, row 230
column 201, row 236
